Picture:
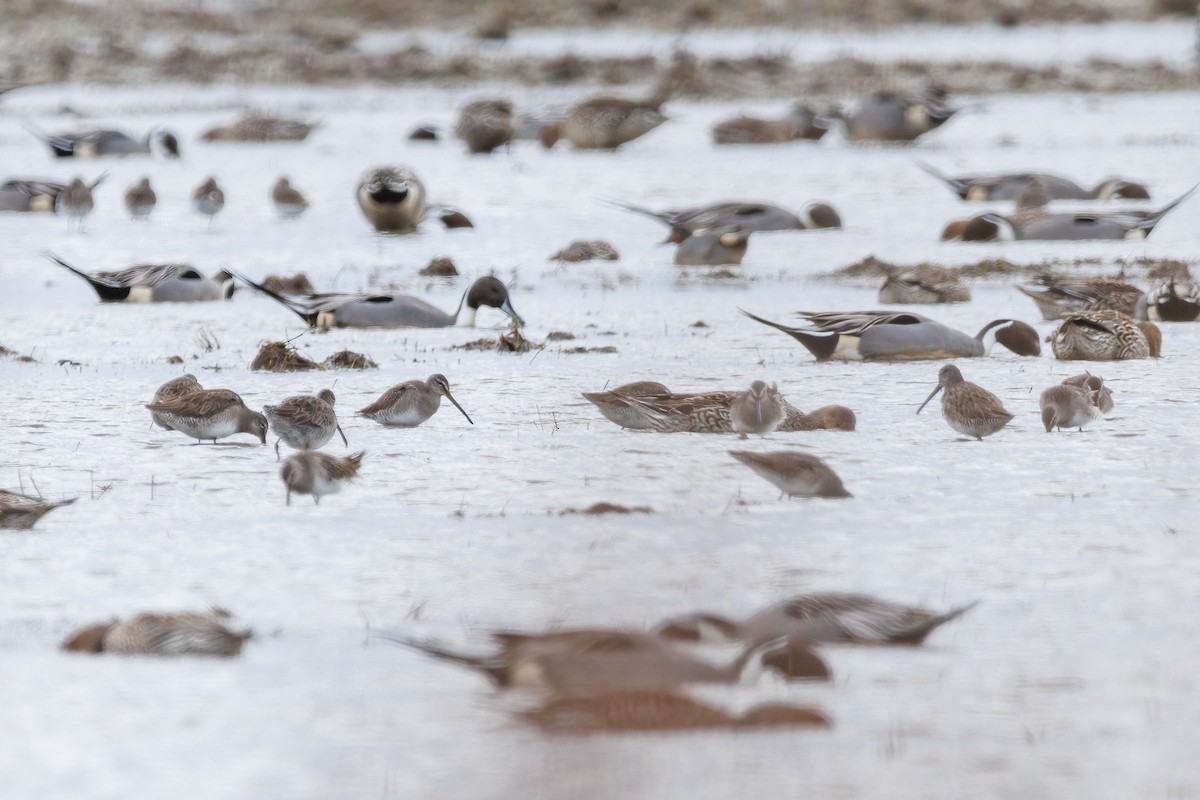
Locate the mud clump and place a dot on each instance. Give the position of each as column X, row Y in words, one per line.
column 602, row 508
column 291, row 284
column 348, row 359
column 281, row 357
column 587, row 250
column 559, row 336
column 440, row 267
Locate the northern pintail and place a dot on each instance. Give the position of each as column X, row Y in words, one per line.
column 968, row 408
column 605, row 123
column 800, row 122
column 155, row 283
column 96, row 143
column 21, row 511
column 1105, row 336
column 923, row 286
column 793, row 473
column 210, row 414
column 324, row 311
column 1008, row 186
column 208, row 199
column 485, row 125
column 288, row 200
column 627, row 712
column 408, row 404
column 1069, row 406
column 712, row 248
column 256, row 127
column 1060, row 296
column 318, row 474
column 178, row 634
column 901, row 335
column 833, row 617
column 1174, row 302
column 747, row 216
column 140, row 200
column 35, row 194
column 172, row 389
column 392, row 199
column 892, row 117
column 304, row 422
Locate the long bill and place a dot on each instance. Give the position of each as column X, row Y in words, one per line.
column 936, row 389
column 507, row 308
column 338, row 425
column 450, row 397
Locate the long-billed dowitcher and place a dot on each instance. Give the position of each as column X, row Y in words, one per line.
column 208, row 199
column 1174, row 302
column 1059, row 296
column 288, row 200
column 210, row 414
column 891, row 117
column 605, row 123
column 140, row 200
column 926, row 286
column 392, row 199
column 1105, row 336
column 1067, row 406
column 21, row 511
column 304, row 422
column 1008, row 186
column 820, row 617
column 155, row 283
column 759, row 410
column 969, row 408
column 900, row 336
column 800, row 122
column 172, row 389
column 593, row 661
column 316, row 473
column 1096, row 385
column 180, row 634
column 76, row 201
column 324, row 311
column 92, row 144
column 485, row 125
column 624, row 712
column 793, row 473
column 408, row 404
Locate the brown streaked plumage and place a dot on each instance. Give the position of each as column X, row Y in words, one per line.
column 1068, row 406
column 485, row 125
column 257, row 127
column 605, row 123
column 305, row 422
column 1096, row 385
column 1105, row 336
column 76, row 201
column 151, row 634
column 171, row 390
column 923, row 286
column 208, row 199
column 316, row 473
column 288, row 200
column 758, row 410
column 801, row 122
column 140, row 200
column 408, row 404
column 793, row 473
column 21, row 511
column 835, row 617
column 1060, row 296
column 210, row 414
column 968, row 408
column 626, row 712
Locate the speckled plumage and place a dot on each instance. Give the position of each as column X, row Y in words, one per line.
column 408, row 404
column 794, row 473
column 1104, row 336
column 152, row 634
column 304, row 422
column 968, row 408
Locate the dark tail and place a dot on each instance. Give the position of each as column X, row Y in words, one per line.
column 495, row 669
column 679, row 232
column 918, row 633
column 958, row 187
column 103, row 291
column 309, row 317
column 61, row 146
column 1147, row 225
column 821, row 345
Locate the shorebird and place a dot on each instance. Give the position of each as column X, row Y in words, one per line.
column 1069, row 406
column 76, row 202
column 92, row 144
column 923, row 286
column 794, row 474
column 746, row 216
column 586, row 662
column 1008, row 186
column 140, row 200
column 155, row 283
column 208, row 199
column 485, row 125
column 901, row 335
column 316, row 473
column 255, row 127
column 324, row 311
column 180, row 634
column 392, row 199
column 289, row 202
column 968, row 408
column 171, row 390
column 1094, row 384
column 1105, row 336
column 408, row 404
column 1174, row 302
column 759, row 410
column 1060, row 296
column 834, row 617
column 304, row 422
column 35, row 194
column 605, row 123
column 800, row 122
column 21, row 511
column 891, row 117
column 625, row 712
column 648, row 405
column 210, row 414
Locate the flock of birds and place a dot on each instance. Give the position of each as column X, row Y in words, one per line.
column 615, row 679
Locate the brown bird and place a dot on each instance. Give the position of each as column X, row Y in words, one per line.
column 605, row 123
column 76, row 201
column 1105, row 336
column 210, row 414
column 182, row 634
column 1069, row 406
column 171, row 390
column 288, row 200
column 759, row 410
column 208, row 199
column 1093, row 383
column 316, row 473
column 408, row 404
column 140, row 200
column 969, row 409
column 305, row 422
column 485, row 125
column 21, row 512
column 794, row 474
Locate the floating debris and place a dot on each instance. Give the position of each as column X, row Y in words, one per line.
column 574, row 351
column 587, row 250
column 559, row 336
column 597, row 509
column 175, row 360
column 348, row 359
column 255, row 127
column 281, row 357
column 440, row 267
column 425, row 133
column 292, row 284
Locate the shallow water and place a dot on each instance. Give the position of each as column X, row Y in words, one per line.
column 1073, row 677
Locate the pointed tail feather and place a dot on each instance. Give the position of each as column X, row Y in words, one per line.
column 309, row 317
column 1148, row 224
column 918, row 633
column 958, row 187
column 495, row 669
column 821, row 345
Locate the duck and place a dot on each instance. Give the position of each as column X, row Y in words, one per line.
column 1174, row 302
column 793, row 473
column 590, row 661
column 392, row 198
column 823, row 617
column 923, row 287
column 21, row 511
column 605, row 122
column 968, row 408
column 318, row 474
column 155, row 283
column 485, row 125
column 140, row 200
column 98, row 143
column 894, row 117
column 35, row 194
column 288, row 200
column 649, row 405
column 1105, row 336
column 210, row 414
column 162, row 634
column 743, row 215
column 632, row 711
column 323, row 311
column 1058, row 297
column 408, row 404
column 1008, row 186
column 712, row 248
column 900, row 336
column 1070, row 406
column 800, row 122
